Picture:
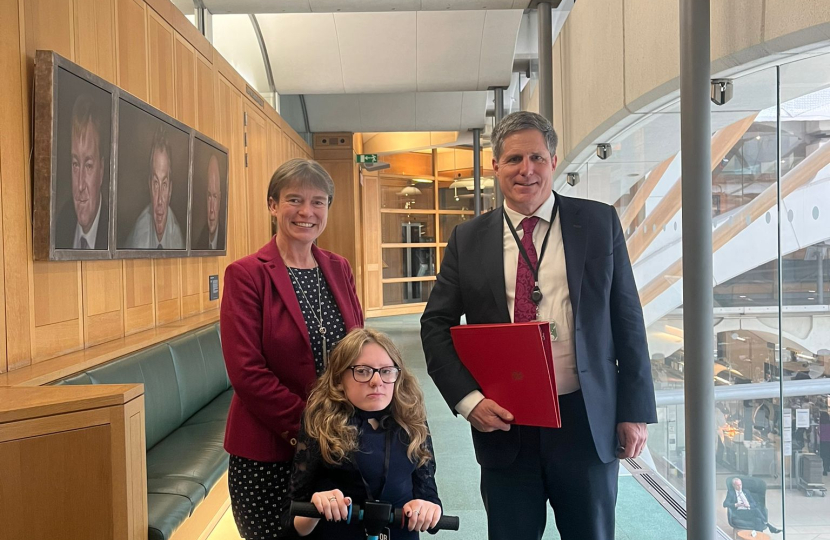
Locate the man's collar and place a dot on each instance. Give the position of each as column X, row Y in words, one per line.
column 93, row 230
column 543, row 212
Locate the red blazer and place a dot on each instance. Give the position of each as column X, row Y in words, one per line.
column 268, row 352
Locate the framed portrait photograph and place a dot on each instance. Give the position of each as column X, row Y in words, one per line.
column 208, row 197
column 73, row 165
column 152, row 182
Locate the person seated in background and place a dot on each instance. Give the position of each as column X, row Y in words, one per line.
column 745, row 508
column 364, row 437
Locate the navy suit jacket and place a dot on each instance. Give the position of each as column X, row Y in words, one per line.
column 612, row 357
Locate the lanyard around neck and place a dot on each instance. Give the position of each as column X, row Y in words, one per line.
column 386, row 459
column 523, row 252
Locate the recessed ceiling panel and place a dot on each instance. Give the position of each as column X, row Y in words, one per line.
column 257, row 6
column 449, row 49
column 436, row 110
column 473, row 110
column 377, row 51
column 304, row 53
column 497, row 48
column 437, row 5
column 333, row 6
column 387, row 112
column 335, row 112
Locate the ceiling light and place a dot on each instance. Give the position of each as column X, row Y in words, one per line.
column 674, row 331
column 409, row 190
column 742, row 296
column 811, row 298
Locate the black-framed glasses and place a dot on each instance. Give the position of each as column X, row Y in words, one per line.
column 364, row 374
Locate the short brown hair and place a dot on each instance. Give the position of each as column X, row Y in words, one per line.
column 300, row 172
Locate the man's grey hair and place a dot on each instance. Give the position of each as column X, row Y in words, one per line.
column 520, row 121
column 299, row 172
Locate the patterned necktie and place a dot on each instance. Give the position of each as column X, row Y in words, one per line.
column 159, row 246
column 524, row 310
column 84, row 243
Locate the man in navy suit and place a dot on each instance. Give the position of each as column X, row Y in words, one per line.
column 546, row 257
column 745, row 509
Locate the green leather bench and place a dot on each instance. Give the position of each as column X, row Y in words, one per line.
column 186, row 399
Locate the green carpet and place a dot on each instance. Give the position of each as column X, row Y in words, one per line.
column 639, row 516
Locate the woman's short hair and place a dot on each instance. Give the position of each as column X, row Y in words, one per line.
column 299, row 172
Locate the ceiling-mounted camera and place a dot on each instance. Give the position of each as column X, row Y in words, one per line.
column 603, row 150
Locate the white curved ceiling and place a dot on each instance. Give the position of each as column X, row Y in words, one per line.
column 356, row 53
column 330, row 6
column 379, row 65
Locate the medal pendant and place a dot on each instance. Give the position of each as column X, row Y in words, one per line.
column 554, row 335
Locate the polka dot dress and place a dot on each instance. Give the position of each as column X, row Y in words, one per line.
column 257, row 488
column 305, row 281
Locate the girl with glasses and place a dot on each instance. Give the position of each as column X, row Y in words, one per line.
column 364, row 437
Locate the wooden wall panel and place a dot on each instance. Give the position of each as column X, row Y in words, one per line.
column 57, row 318
column 373, row 270
column 12, row 186
column 148, row 49
column 57, row 324
column 185, row 82
column 95, row 37
column 206, row 98
column 132, row 47
column 160, row 62
column 102, row 301
column 139, row 307
column 168, row 292
column 229, row 132
column 259, row 222
column 191, row 278
column 47, row 28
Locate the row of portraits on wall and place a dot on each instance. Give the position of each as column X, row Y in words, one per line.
column 116, row 177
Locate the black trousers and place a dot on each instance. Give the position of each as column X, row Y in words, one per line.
column 556, row 466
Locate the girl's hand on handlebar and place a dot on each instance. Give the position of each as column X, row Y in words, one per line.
column 332, row 504
column 422, row 514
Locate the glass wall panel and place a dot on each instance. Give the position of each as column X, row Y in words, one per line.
column 460, row 194
column 408, row 262
column 448, row 222
column 406, row 193
column 746, row 293
column 805, row 319
column 407, row 228
column 406, row 293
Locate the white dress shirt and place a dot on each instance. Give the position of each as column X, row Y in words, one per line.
column 556, row 300
column 214, row 240
column 743, row 502
column 91, row 235
column 143, row 235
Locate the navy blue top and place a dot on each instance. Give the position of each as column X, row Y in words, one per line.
column 405, row 481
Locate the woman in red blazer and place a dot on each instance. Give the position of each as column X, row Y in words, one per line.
column 283, row 310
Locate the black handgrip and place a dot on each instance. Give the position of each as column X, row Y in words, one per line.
column 303, row 509
column 447, row 523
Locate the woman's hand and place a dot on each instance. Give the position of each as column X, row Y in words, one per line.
column 332, row 504
column 422, row 514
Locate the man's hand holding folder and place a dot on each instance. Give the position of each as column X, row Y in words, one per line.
column 489, row 416
column 513, row 365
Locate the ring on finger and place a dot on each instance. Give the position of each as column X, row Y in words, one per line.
column 332, row 498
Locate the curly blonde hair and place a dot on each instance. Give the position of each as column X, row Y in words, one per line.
column 328, row 411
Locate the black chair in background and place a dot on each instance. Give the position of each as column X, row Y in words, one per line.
column 757, row 488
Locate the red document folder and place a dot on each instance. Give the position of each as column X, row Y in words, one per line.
column 513, row 364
